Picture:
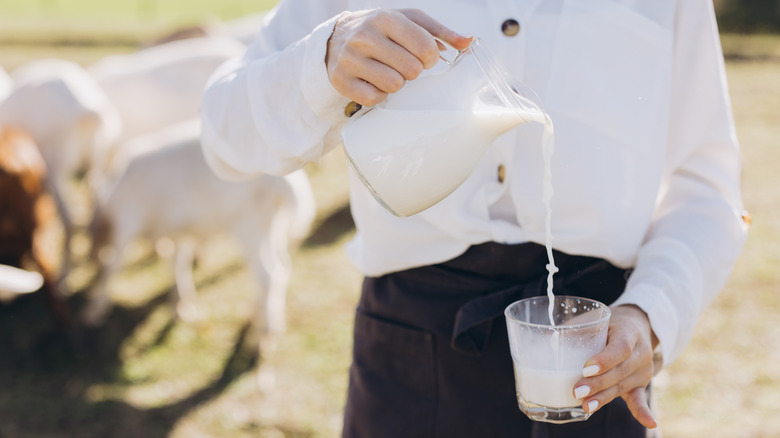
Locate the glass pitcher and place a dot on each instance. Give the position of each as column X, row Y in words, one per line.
column 418, row 145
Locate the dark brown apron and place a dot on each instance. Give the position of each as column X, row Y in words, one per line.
column 431, row 357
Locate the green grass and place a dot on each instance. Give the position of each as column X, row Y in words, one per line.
column 147, row 374
column 96, row 9
column 86, row 30
column 170, row 11
column 118, row 22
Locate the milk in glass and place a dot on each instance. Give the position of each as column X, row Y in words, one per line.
column 548, row 359
column 548, row 387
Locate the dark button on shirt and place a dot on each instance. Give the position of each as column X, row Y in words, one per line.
column 510, row 27
column 501, row 173
column 352, row 108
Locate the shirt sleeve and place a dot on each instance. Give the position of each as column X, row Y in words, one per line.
column 274, row 110
column 697, row 232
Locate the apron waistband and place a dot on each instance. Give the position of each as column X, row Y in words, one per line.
column 462, row 297
column 474, row 319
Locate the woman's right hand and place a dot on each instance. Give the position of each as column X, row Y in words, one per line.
column 373, row 53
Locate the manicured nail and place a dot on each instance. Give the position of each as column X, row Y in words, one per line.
column 581, row 391
column 591, row 370
column 465, row 36
column 655, row 419
column 593, row 405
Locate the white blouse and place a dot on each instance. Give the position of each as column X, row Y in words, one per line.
column 646, row 167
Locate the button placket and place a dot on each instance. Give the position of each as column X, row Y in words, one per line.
column 511, row 16
column 502, row 156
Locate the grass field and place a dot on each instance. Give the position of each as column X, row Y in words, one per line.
column 147, row 374
column 119, row 19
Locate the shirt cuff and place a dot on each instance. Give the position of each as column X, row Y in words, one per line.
column 319, row 93
column 666, row 285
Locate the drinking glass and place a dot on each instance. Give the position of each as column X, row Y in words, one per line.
column 548, row 358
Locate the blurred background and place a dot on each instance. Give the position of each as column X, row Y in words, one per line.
column 146, row 372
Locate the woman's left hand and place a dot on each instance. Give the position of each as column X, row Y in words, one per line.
column 624, row 368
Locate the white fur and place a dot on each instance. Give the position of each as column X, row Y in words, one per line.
column 67, row 114
column 168, row 191
column 161, row 85
column 16, row 281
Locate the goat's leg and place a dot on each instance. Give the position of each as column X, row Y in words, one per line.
column 184, row 297
column 271, row 275
column 279, row 257
column 268, row 318
column 99, row 303
column 262, row 275
column 67, row 230
column 44, row 214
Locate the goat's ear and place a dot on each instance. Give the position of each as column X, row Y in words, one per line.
column 89, row 129
column 102, row 128
column 15, row 282
column 89, row 124
column 100, row 131
column 104, row 124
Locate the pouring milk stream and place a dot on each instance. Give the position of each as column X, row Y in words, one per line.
column 415, row 148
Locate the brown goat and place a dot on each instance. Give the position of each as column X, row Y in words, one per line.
column 27, row 211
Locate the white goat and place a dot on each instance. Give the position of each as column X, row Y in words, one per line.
column 70, row 119
column 168, row 191
column 162, row 85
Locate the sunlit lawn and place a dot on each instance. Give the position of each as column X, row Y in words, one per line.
column 149, row 375
column 727, row 383
column 117, row 19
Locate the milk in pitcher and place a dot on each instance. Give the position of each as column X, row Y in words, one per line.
column 411, row 159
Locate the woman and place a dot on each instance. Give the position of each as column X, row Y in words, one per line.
column 646, row 212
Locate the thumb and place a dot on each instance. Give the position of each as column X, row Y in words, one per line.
column 437, row 29
column 636, row 399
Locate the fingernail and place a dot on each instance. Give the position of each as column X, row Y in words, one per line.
column 591, row 370
column 655, row 419
column 593, row 405
column 581, row 391
column 468, row 37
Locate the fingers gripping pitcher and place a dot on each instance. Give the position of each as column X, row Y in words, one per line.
column 422, row 142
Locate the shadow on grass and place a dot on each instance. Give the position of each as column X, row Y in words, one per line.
column 744, row 57
column 46, row 373
column 331, row 229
